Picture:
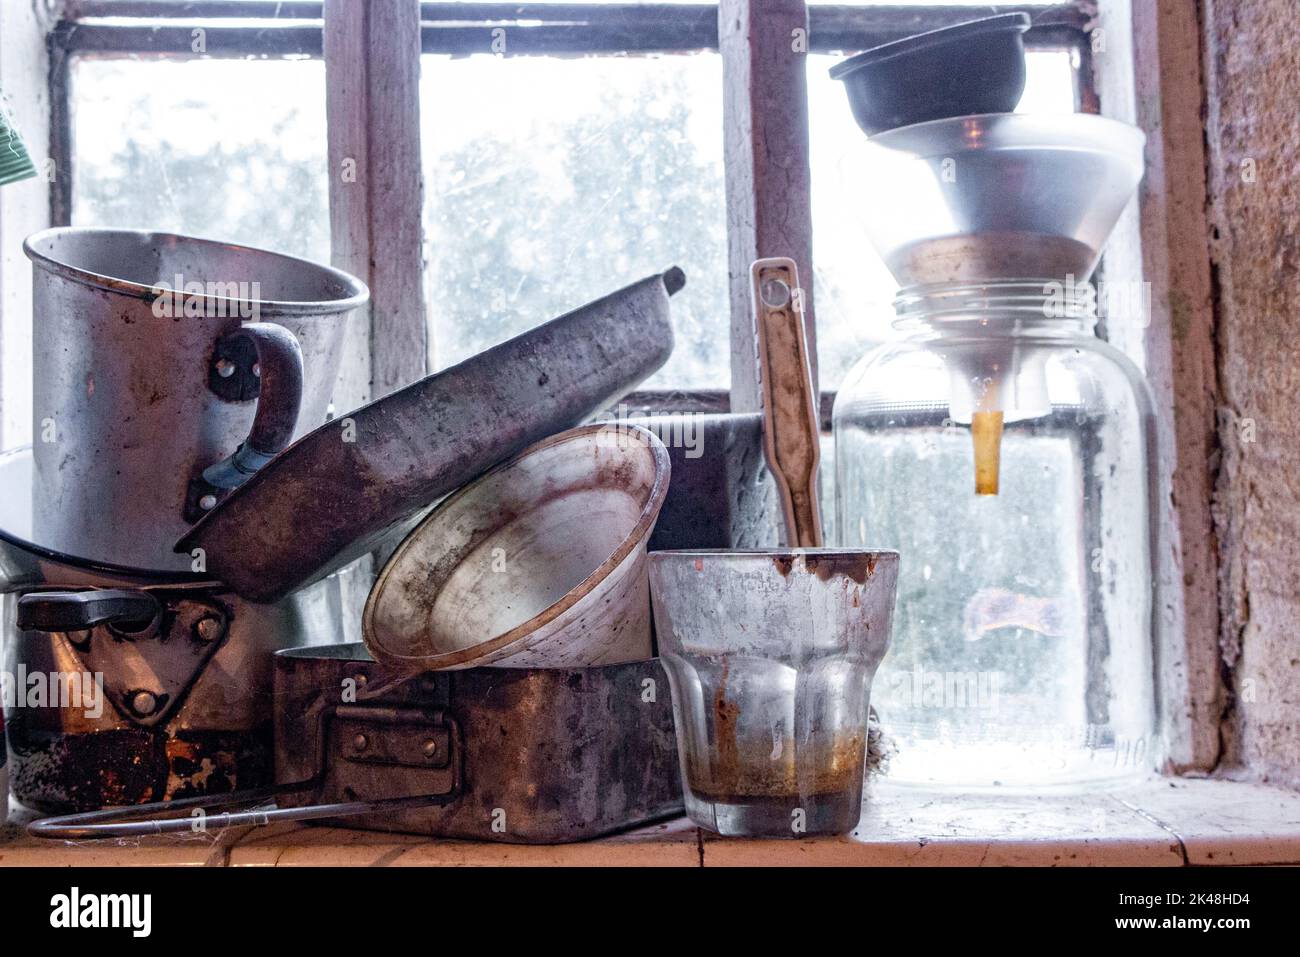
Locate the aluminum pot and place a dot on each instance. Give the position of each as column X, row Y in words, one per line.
column 181, row 700
column 167, row 369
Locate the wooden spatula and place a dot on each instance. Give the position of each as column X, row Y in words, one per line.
column 791, row 434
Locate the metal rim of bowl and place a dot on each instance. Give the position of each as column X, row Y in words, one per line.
column 358, row 292
column 645, row 520
column 988, row 123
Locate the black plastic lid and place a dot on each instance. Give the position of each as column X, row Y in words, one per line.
column 1011, row 22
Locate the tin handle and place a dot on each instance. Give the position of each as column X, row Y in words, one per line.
column 54, row 611
column 138, row 820
column 262, row 360
column 791, row 435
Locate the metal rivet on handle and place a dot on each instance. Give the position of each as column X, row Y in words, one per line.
column 208, row 628
column 775, row 293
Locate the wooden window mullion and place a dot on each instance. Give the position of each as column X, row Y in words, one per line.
column 765, row 148
column 372, row 76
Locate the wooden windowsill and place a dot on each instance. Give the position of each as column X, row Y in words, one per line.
column 1164, row 822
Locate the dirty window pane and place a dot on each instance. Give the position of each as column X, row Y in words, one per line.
column 225, row 149
column 852, row 289
column 550, row 182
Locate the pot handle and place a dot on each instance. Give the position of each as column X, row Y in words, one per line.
column 262, row 360
column 55, row 611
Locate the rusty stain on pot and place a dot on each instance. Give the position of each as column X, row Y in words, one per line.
column 115, row 767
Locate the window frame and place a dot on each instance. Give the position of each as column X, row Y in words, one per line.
column 295, row 28
column 1148, row 69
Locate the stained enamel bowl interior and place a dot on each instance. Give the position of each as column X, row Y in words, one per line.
column 539, row 563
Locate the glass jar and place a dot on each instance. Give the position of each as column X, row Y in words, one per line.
column 1005, row 451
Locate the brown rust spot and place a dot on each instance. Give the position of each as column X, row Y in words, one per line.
column 725, row 715
column 620, row 473
column 784, row 564
column 756, row 770
column 856, row 566
column 58, row 772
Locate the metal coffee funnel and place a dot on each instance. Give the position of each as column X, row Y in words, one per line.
column 998, row 196
column 958, row 207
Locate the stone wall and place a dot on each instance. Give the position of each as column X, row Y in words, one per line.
column 1252, row 67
